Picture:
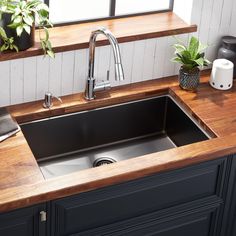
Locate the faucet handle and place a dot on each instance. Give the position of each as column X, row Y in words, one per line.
column 101, row 86
column 108, row 74
column 48, row 100
column 58, row 98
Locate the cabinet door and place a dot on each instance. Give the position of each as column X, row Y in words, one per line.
column 106, row 206
column 229, row 216
column 23, row 222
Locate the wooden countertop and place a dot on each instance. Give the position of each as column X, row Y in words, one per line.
column 22, row 184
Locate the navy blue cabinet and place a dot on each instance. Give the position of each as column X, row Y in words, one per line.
column 228, row 227
column 197, row 200
column 181, row 202
column 23, row 222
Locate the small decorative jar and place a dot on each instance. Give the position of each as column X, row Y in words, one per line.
column 228, row 50
column 189, row 79
column 222, row 74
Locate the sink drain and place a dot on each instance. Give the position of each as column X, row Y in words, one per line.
column 103, row 161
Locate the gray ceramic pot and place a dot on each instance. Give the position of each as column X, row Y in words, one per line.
column 189, row 79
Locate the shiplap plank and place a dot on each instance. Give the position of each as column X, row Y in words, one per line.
column 80, row 70
column 67, row 73
column 104, row 62
column 127, row 51
column 55, row 74
column 138, row 59
column 232, row 29
column 42, row 85
column 160, row 57
column 226, row 14
column 197, row 8
column 17, row 81
column 5, row 94
column 214, row 36
column 30, row 75
column 149, row 58
column 205, row 20
column 169, row 66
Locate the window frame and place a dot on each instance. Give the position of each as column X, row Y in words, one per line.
column 112, row 14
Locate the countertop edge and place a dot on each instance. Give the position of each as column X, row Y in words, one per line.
column 45, row 190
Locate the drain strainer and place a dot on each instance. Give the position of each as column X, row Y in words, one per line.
column 103, row 161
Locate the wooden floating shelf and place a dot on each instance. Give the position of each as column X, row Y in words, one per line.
column 72, row 37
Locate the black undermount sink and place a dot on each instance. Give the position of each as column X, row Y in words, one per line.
column 83, row 140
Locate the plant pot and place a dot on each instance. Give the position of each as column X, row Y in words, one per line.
column 189, row 79
column 23, row 42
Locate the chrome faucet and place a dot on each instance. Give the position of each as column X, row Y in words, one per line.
column 91, row 85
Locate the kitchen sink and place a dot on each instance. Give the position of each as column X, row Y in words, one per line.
column 82, row 140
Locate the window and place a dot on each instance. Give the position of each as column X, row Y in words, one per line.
column 65, row 11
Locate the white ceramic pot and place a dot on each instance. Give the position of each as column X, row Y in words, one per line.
column 222, row 74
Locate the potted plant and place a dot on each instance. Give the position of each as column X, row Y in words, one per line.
column 191, row 57
column 17, row 22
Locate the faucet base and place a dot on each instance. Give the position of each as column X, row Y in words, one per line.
column 89, row 91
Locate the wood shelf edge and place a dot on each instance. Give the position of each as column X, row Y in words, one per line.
column 74, row 37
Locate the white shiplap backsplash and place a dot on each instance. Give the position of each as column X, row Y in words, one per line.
column 24, row 80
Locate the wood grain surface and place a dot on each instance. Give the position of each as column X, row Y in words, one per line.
column 72, row 37
column 17, row 163
column 215, row 110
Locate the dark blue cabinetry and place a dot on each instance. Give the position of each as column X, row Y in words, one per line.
column 198, row 200
column 181, row 202
column 23, row 222
column 229, row 217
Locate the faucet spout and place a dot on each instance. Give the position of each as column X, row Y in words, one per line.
column 119, row 73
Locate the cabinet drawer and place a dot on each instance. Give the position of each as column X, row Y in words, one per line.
column 172, row 222
column 127, row 200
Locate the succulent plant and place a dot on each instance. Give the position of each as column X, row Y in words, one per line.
column 192, row 55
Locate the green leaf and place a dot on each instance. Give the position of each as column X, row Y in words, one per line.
column 50, row 53
column 19, row 30
column 206, row 62
column 43, row 13
column 43, row 46
column 179, row 47
column 13, row 25
column 27, row 29
column 16, row 48
column 200, row 61
column 193, row 46
column 17, row 20
column 177, row 59
column 46, row 33
column 2, row 33
column 28, row 19
column 3, row 48
column 186, row 57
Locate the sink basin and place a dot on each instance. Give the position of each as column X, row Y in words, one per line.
column 87, row 139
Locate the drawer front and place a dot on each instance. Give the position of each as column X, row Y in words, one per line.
column 176, row 221
column 131, row 199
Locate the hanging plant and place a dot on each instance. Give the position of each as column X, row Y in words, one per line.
column 18, row 20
